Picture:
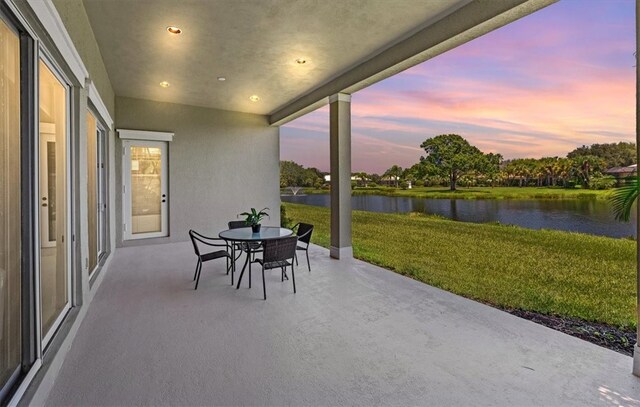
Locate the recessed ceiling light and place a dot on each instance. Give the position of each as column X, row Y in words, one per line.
column 254, row 98
column 174, row 30
column 301, row 61
column 165, row 84
column 222, row 78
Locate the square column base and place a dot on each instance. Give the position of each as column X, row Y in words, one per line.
column 341, row 252
column 636, row 360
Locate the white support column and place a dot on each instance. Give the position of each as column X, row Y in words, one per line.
column 340, row 146
column 636, row 349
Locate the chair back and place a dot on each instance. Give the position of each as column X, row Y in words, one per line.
column 194, row 239
column 304, row 232
column 237, row 224
column 279, row 249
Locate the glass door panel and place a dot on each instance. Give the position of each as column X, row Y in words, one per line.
column 54, row 275
column 92, row 190
column 102, row 192
column 145, row 189
column 10, row 213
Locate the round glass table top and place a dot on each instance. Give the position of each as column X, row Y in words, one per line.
column 246, row 235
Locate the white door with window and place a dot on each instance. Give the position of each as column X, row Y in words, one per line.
column 145, row 189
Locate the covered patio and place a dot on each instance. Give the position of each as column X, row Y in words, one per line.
column 189, row 96
column 354, row 334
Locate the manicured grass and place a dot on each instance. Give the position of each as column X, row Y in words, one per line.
column 553, row 272
column 480, row 192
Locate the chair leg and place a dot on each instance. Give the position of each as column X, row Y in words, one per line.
column 227, row 265
column 198, row 273
column 295, row 256
column 281, row 273
column 233, row 266
column 264, row 287
column 293, row 277
column 308, row 263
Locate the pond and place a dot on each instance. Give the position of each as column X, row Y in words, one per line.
column 586, row 216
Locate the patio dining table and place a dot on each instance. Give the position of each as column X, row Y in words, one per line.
column 246, row 235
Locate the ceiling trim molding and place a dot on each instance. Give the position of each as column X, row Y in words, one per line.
column 464, row 24
column 98, row 103
column 299, row 113
column 127, row 134
column 46, row 12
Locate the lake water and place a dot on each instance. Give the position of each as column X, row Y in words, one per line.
column 585, row 216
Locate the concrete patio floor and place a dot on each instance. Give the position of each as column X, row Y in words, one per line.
column 354, row 334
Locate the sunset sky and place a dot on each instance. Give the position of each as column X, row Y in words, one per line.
column 552, row 81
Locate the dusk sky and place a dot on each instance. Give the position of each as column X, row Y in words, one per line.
column 541, row 86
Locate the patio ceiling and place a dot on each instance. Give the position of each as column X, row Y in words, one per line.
column 254, row 45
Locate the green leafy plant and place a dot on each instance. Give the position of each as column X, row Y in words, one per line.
column 285, row 221
column 254, row 217
column 623, row 198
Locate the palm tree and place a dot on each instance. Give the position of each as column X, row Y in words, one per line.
column 624, row 197
column 394, row 173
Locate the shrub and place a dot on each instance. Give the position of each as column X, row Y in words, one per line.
column 604, row 182
column 404, row 185
column 285, row 221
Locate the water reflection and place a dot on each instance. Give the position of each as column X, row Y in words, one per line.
column 586, row 216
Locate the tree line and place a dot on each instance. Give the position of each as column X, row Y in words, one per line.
column 450, row 160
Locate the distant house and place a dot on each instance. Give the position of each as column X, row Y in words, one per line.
column 389, row 180
column 327, row 178
column 622, row 172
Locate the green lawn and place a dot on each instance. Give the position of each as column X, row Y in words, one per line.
column 553, row 272
column 480, row 192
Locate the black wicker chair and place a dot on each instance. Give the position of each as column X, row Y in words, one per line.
column 304, row 231
column 278, row 253
column 196, row 239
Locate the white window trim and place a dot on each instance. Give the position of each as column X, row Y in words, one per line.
column 51, row 21
column 48, row 15
column 101, row 108
column 126, row 134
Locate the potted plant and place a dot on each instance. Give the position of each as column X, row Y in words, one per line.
column 254, row 217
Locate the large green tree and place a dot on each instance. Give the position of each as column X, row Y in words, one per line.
column 620, row 154
column 293, row 174
column 587, row 165
column 453, row 155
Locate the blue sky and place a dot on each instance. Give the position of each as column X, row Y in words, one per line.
column 541, row 86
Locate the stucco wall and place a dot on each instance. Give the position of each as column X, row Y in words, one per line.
column 221, row 163
column 76, row 21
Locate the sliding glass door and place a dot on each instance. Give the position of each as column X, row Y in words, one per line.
column 96, row 191
column 10, row 208
column 53, row 201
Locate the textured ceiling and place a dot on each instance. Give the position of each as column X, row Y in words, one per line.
column 253, row 43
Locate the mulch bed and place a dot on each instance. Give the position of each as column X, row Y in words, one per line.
column 607, row 336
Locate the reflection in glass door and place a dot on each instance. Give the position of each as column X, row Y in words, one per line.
column 145, row 189
column 48, row 184
column 53, row 202
column 10, row 212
